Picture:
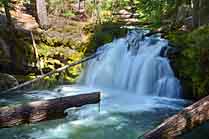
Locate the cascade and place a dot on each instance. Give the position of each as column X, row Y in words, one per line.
column 136, row 64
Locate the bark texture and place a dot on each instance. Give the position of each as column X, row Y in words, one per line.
column 183, row 122
column 43, row 110
column 41, row 13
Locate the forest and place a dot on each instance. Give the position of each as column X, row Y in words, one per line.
column 128, row 69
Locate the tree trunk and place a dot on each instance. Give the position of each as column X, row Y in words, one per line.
column 183, row 122
column 195, row 13
column 41, row 13
column 79, row 5
column 204, row 12
column 43, row 110
column 178, row 4
column 7, row 12
column 97, row 12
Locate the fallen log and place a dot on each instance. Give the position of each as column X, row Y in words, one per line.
column 153, row 33
column 189, row 118
column 49, row 74
column 44, row 110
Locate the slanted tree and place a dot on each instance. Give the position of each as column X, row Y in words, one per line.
column 40, row 11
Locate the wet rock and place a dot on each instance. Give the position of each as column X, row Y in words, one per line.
column 4, row 48
column 7, row 81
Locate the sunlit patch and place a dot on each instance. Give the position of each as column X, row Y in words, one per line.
column 61, row 91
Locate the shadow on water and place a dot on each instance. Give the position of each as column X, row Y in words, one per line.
column 200, row 132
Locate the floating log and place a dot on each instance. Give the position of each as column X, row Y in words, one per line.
column 49, row 74
column 44, row 110
column 189, row 118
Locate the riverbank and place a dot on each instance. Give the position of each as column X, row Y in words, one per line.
column 26, row 57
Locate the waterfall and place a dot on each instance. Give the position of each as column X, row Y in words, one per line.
column 138, row 90
column 135, row 63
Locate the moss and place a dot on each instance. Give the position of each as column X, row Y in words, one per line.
column 52, row 41
column 69, row 50
column 54, row 57
column 59, row 46
column 192, row 64
column 98, row 35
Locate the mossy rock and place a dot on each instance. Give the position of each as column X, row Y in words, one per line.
column 7, row 81
column 101, row 34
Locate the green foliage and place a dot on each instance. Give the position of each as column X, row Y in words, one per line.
column 4, row 1
column 148, row 10
column 101, row 34
column 154, row 10
column 68, row 13
column 56, row 53
column 192, row 64
column 200, row 37
column 90, row 7
column 60, row 7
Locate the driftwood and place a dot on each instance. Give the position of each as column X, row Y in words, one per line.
column 44, row 110
column 49, row 74
column 189, row 118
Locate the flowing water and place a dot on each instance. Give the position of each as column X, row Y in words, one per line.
column 134, row 64
column 138, row 88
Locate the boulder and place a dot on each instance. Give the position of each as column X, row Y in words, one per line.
column 7, row 81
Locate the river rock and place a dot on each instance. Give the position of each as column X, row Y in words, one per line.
column 7, row 81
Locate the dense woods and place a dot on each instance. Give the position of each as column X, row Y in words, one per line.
column 39, row 37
